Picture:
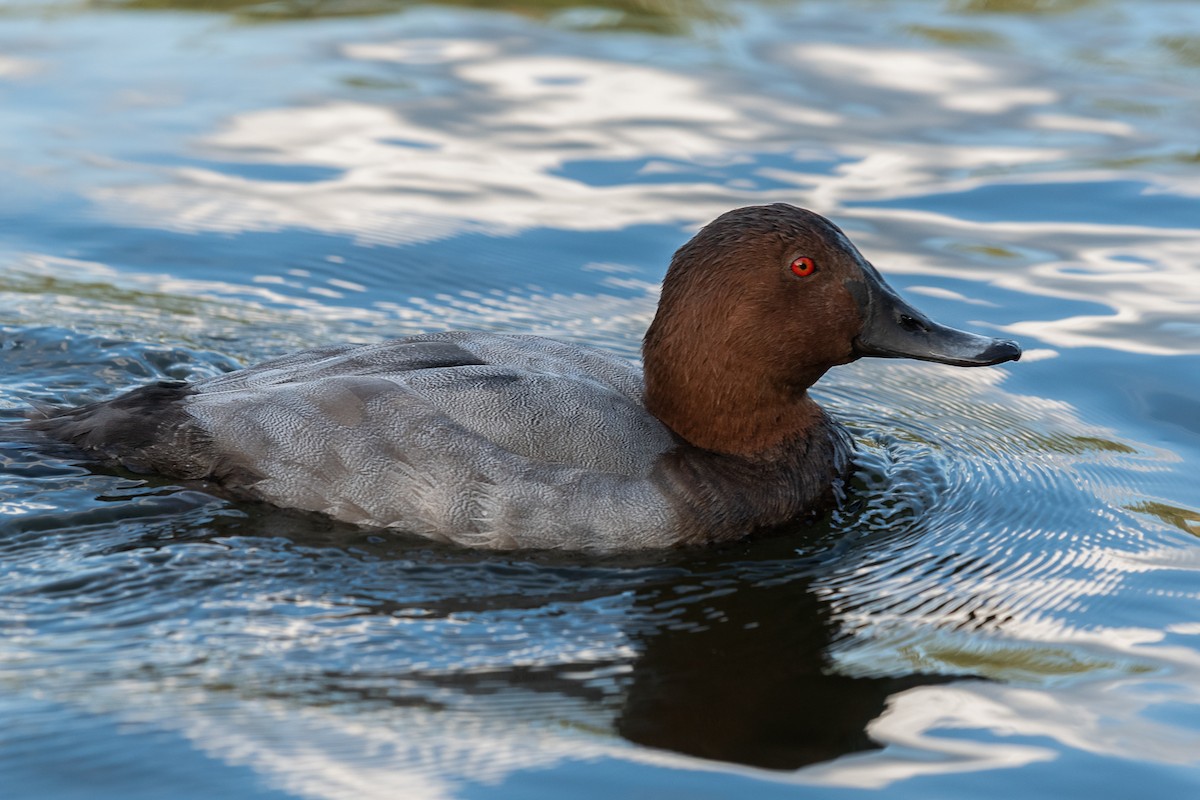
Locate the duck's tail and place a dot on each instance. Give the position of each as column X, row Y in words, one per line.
column 136, row 429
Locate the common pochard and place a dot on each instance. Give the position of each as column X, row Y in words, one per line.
column 509, row 441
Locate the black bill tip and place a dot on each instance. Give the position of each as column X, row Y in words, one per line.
column 1001, row 350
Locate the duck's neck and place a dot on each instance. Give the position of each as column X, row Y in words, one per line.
column 722, row 402
column 723, row 497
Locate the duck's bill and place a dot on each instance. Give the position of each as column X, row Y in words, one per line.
column 894, row 329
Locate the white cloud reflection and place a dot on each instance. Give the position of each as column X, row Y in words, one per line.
column 405, row 178
column 12, row 68
column 1105, row 716
column 952, row 81
column 522, row 141
column 1144, row 279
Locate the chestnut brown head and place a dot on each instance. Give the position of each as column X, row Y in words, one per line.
column 761, row 302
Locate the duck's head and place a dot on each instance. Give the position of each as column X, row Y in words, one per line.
column 757, row 306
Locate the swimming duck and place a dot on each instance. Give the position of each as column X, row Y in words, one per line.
column 511, row 441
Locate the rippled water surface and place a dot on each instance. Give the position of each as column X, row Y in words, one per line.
column 1006, row 606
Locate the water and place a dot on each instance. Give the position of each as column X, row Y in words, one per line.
column 1005, row 606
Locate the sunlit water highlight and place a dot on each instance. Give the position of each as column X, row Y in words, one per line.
column 1011, row 585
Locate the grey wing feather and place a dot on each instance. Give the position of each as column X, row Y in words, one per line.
column 508, row 442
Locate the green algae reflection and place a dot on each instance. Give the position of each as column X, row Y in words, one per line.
column 1183, row 518
column 652, row 16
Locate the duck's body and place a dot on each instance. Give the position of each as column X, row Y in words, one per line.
column 520, row 441
column 481, row 439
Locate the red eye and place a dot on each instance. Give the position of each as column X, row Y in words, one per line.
column 803, row 266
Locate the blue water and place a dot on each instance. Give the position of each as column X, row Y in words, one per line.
column 1006, row 605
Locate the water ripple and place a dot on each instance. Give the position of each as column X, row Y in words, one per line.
column 325, row 181
column 970, row 503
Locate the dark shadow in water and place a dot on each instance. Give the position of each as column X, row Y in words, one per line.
column 744, row 678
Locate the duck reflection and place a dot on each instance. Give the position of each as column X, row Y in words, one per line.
column 730, row 649
column 744, row 677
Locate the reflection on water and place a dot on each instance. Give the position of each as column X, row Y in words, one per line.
column 743, row 676
column 395, row 179
column 1011, row 584
column 654, row 16
column 400, row 175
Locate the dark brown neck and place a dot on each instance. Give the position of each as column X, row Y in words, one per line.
column 722, row 401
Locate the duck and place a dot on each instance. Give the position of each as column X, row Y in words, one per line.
column 511, row 441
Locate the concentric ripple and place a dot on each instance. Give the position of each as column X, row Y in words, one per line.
column 979, row 510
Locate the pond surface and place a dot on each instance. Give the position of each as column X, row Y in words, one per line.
column 1006, row 605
